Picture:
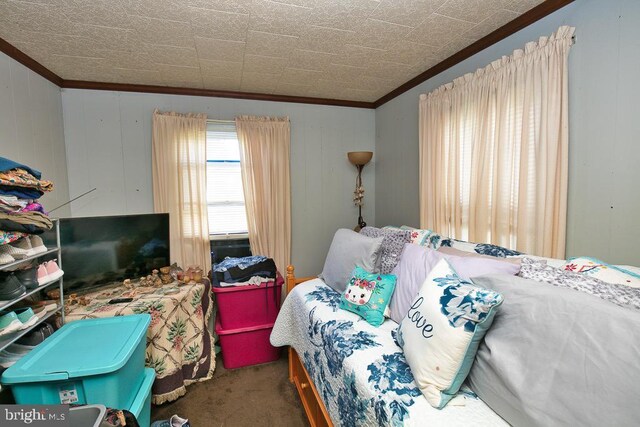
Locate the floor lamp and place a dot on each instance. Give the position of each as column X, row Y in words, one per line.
column 359, row 159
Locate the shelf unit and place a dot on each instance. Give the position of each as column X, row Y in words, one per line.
column 8, row 339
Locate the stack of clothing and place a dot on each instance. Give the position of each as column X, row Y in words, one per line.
column 250, row 270
column 21, row 214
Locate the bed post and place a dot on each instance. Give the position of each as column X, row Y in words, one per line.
column 290, row 282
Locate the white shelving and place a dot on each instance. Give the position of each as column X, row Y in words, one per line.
column 8, row 339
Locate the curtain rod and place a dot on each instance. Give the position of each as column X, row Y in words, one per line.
column 220, row 121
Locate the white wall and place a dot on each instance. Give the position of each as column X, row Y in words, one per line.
column 604, row 147
column 108, row 140
column 31, row 128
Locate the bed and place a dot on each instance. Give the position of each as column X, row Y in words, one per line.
column 350, row 373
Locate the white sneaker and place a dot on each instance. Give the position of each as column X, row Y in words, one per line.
column 37, row 244
column 15, row 252
column 6, row 258
column 25, row 245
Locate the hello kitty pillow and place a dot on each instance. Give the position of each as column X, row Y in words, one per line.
column 368, row 295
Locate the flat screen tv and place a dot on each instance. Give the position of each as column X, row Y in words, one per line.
column 97, row 251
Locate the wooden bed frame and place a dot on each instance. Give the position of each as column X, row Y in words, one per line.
column 298, row 375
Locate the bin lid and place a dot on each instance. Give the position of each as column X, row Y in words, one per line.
column 80, row 349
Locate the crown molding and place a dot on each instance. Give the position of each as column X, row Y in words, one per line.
column 522, row 21
column 29, row 62
column 123, row 87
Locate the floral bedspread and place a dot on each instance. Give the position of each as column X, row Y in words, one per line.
column 359, row 370
column 179, row 344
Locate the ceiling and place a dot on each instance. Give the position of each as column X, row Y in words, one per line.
column 354, row 50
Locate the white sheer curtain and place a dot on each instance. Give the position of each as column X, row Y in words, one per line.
column 494, row 151
column 264, row 162
column 179, row 158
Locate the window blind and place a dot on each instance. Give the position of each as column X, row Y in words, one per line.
column 225, row 197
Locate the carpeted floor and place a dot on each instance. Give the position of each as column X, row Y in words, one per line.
column 254, row 396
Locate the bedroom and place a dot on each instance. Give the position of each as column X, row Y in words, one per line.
column 100, row 136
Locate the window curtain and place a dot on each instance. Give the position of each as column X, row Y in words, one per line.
column 264, row 160
column 494, row 151
column 179, row 161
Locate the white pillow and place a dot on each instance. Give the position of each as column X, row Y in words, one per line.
column 442, row 330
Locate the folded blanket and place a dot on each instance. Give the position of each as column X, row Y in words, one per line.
column 22, row 178
column 8, row 164
column 20, row 192
column 26, row 222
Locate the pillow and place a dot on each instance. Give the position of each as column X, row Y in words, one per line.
column 624, row 296
column 457, row 252
column 424, row 237
column 393, row 241
column 368, row 295
column 442, row 330
column 416, row 263
column 348, row 250
column 480, row 248
column 558, row 357
column 603, row 271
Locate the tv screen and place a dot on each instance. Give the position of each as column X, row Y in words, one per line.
column 97, row 251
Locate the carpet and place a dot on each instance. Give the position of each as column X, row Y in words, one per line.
column 253, row 396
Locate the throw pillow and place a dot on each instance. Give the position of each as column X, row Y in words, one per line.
column 601, row 270
column 457, row 252
column 442, row 331
column 348, row 250
column 368, row 295
column 624, row 296
column 480, row 248
column 424, row 237
column 393, row 240
column 417, row 262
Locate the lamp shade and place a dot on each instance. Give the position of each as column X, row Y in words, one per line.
column 360, row 158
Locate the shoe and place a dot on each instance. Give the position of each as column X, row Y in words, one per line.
column 15, row 252
column 37, row 244
column 9, row 323
column 40, row 311
column 25, row 315
column 174, row 421
column 25, row 245
column 47, row 305
column 28, row 277
column 10, row 287
column 37, row 335
column 53, row 271
column 6, row 258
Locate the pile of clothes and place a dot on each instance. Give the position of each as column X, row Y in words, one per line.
column 250, row 270
column 21, row 215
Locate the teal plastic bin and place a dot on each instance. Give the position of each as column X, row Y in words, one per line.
column 141, row 406
column 96, row 361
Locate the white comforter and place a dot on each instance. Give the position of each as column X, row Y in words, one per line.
column 359, row 370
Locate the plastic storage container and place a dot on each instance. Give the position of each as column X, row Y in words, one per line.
column 246, row 346
column 87, row 416
column 250, row 305
column 97, row 361
column 141, row 406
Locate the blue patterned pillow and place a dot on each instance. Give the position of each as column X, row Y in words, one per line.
column 368, row 295
column 442, row 330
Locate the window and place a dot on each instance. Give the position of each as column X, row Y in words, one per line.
column 225, row 198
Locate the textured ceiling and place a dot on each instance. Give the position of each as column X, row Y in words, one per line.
column 343, row 49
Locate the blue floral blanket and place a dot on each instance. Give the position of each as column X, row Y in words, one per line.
column 359, row 370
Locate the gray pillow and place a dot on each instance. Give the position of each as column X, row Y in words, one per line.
column 348, row 250
column 392, row 244
column 558, row 357
column 622, row 295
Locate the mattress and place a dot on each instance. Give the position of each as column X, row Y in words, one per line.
column 359, row 370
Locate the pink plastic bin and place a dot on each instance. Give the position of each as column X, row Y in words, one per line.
column 248, row 306
column 246, row 346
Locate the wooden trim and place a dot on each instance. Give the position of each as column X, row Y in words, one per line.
column 314, row 408
column 522, row 21
column 15, row 53
column 123, row 87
